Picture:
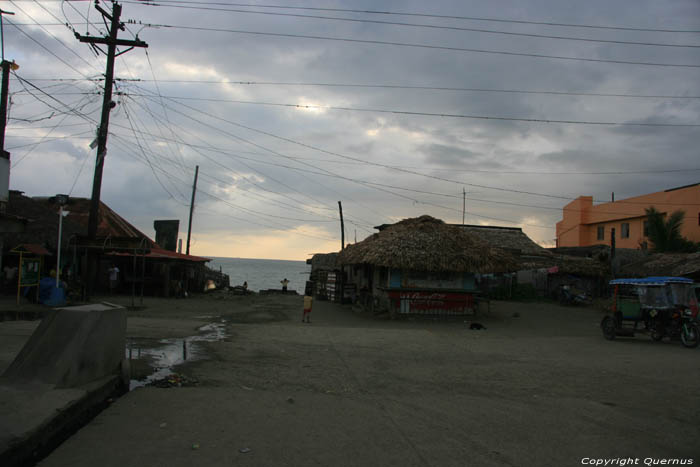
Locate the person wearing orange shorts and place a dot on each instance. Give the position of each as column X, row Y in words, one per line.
column 308, row 302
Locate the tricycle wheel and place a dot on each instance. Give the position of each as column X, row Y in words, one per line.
column 609, row 327
column 657, row 332
column 690, row 335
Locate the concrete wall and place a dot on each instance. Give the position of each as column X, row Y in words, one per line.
column 73, row 346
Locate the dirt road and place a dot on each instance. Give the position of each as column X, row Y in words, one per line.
column 351, row 390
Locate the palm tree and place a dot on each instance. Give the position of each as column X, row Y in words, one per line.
column 665, row 234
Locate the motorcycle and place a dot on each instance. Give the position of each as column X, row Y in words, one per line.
column 567, row 296
column 681, row 324
column 658, row 306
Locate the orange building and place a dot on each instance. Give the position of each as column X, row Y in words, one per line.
column 584, row 224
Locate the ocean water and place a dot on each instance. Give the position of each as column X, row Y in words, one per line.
column 264, row 273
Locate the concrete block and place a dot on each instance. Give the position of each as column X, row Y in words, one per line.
column 73, row 346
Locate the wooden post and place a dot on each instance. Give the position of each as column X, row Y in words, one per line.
column 340, row 282
column 342, row 227
column 189, row 224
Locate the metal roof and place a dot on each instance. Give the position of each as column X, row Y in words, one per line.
column 653, row 280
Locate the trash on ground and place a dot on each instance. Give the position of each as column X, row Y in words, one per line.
column 174, row 380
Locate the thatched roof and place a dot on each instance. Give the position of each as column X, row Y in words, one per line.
column 665, row 264
column 532, row 256
column 428, row 244
column 574, row 265
column 324, row 262
column 512, row 239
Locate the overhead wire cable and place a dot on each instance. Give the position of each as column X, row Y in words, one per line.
column 434, row 114
column 263, row 174
column 247, row 179
column 54, row 138
column 389, row 191
column 414, row 25
column 285, row 228
column 270, row 151
column 427, row 15
column 426, row 88
column 49, row 32
column 376, row 164
column 160, row 96
column 46, row 48
column 420, row 46
column 406, row 189
column 15, row 163
column 143, row 152
column 264, row 149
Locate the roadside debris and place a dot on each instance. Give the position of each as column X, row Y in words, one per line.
column 174, row 380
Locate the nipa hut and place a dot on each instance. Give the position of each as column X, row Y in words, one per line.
column 540, row 271
column 421, row 265
column 324, row 275
column 665, row 264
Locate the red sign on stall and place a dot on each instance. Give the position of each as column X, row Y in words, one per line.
column 422, row 302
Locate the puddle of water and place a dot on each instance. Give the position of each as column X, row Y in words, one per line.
column 164, row 354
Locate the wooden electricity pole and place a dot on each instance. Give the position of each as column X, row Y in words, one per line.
column 189, row 224
column 464, row 203
column 112, row 42
column 342, row 227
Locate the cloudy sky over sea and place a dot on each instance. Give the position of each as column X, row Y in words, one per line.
column 394, row 108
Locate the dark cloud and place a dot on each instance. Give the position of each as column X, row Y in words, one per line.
column 148, row 176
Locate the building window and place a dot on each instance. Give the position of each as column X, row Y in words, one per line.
column 625, row 230
column 646, row 228
column 601, row 233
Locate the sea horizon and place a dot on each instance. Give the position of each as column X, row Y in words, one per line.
column 263, row 274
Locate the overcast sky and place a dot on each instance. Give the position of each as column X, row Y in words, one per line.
column 271, row 174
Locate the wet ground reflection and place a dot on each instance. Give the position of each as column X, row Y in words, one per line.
column 154, row 359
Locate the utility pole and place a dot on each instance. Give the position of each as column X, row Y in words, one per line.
column 6, row 66
column 189, row 225
column 342, row 227
column 107, row 105
column 464, row 203
column 111, row 42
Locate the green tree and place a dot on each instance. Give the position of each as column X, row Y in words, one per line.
column 665, row 234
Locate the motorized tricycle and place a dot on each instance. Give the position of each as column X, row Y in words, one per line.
column 658, row 306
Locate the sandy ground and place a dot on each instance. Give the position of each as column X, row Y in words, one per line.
column 351, row 390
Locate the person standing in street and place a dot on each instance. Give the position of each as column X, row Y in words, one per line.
column 308, row 303
column 113, row 278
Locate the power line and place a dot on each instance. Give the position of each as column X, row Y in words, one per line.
column 238, row 138
column 143, row 152
column 228, row 203
column 414, row 25
column 427, row 15
column 379, row 186
column 387, row 86
column 376, row 164
column 421, row 46
column 49, row 32
column 411, row 45
column 432, row 114
column 247, row 179
column 426, row 88
column 17, row 26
